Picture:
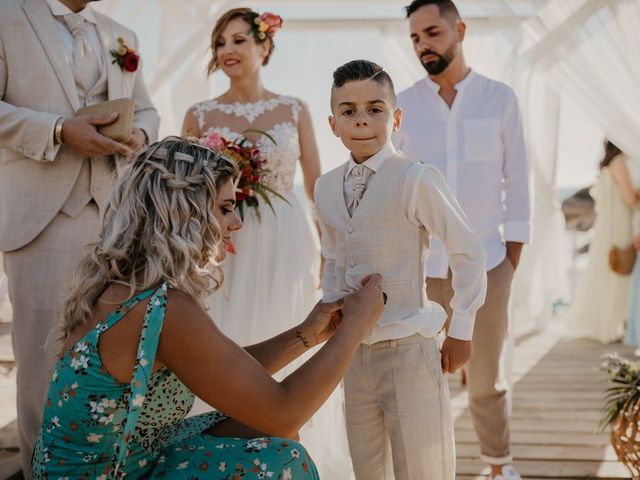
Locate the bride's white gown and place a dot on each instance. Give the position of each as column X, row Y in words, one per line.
column 270, row 284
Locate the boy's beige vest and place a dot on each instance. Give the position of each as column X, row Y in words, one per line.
column 379, row 238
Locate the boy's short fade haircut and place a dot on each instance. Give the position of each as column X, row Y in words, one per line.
column 357, row 70
column 446, row 8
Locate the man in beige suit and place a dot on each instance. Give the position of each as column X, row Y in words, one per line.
column 56, row 170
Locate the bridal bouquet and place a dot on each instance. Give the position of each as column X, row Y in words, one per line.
column 251, row 188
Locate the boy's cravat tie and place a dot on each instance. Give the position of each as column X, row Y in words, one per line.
column 361, row 173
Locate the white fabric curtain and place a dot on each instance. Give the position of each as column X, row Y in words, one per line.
column 541, row 278
column 589, row 49
column 585, row 49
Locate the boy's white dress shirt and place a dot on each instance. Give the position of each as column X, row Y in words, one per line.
column 425, row 204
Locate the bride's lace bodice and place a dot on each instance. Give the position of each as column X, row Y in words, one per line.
column 277, row 117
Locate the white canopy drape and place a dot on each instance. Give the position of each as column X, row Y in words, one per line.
column 589, row 49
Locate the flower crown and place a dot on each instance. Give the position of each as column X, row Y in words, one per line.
column 266, row 25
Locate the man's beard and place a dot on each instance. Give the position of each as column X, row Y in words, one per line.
column 436, row 67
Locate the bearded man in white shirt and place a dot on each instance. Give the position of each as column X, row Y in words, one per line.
column 469, row 127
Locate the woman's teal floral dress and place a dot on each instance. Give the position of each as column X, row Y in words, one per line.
column 97, row 428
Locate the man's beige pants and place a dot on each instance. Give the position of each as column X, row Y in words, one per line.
column 398, row 412
column 39, row 275
column 486, row 383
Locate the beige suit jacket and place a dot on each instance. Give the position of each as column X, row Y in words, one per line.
column 36, row 88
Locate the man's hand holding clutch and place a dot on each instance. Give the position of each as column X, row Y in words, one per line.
column 81, row 134
column 104, row 129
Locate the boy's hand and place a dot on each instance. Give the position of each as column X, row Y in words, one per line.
column 514, row 249
column 455, row 353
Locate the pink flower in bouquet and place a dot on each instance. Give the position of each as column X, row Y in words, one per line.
column 215, row 140
column 250, row 187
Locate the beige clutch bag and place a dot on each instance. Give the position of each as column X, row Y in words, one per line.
column 120, row 130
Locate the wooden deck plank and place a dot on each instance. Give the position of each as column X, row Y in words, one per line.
column 537, row 452
column 543, row 438
column 553, row 469
column 547, row 426
column 557, row 403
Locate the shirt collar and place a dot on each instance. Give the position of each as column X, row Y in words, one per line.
column 374, row 162
column 461, row 85
column 59, row 9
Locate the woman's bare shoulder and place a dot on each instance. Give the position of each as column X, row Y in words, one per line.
column 180, row 303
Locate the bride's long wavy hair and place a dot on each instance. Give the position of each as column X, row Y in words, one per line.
column 158, row 226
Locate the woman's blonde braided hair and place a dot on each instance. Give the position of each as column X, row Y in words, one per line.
column 158, row 226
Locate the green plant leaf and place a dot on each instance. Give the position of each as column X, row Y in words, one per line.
column 273, row 192
column 261, row 132
column 265, row 197
column 623, row 397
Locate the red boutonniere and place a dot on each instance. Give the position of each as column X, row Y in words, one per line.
column 126, row 57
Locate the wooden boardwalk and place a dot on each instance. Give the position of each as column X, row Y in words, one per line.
column 556, row 406
column 557, row 403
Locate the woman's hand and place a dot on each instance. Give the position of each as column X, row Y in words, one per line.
column 364, row 307
column 322, row 322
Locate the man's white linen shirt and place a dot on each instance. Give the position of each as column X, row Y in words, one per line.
column 428, row 203
column 478, row 145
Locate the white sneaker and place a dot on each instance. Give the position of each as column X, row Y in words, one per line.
column 508, row 473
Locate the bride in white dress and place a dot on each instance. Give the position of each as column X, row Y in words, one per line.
column 273, row 277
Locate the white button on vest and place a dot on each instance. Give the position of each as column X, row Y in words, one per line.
column 351, row 230
column 352, row 264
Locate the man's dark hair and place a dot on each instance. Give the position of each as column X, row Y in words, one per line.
column 446, row 8
column 356, row 70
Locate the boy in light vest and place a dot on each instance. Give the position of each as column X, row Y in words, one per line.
column 377, row 212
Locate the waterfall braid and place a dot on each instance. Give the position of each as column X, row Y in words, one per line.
column 158, row 226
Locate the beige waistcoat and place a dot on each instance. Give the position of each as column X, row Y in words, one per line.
column 379, row 238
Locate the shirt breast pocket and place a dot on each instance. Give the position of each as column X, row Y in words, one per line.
column 482, row 140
